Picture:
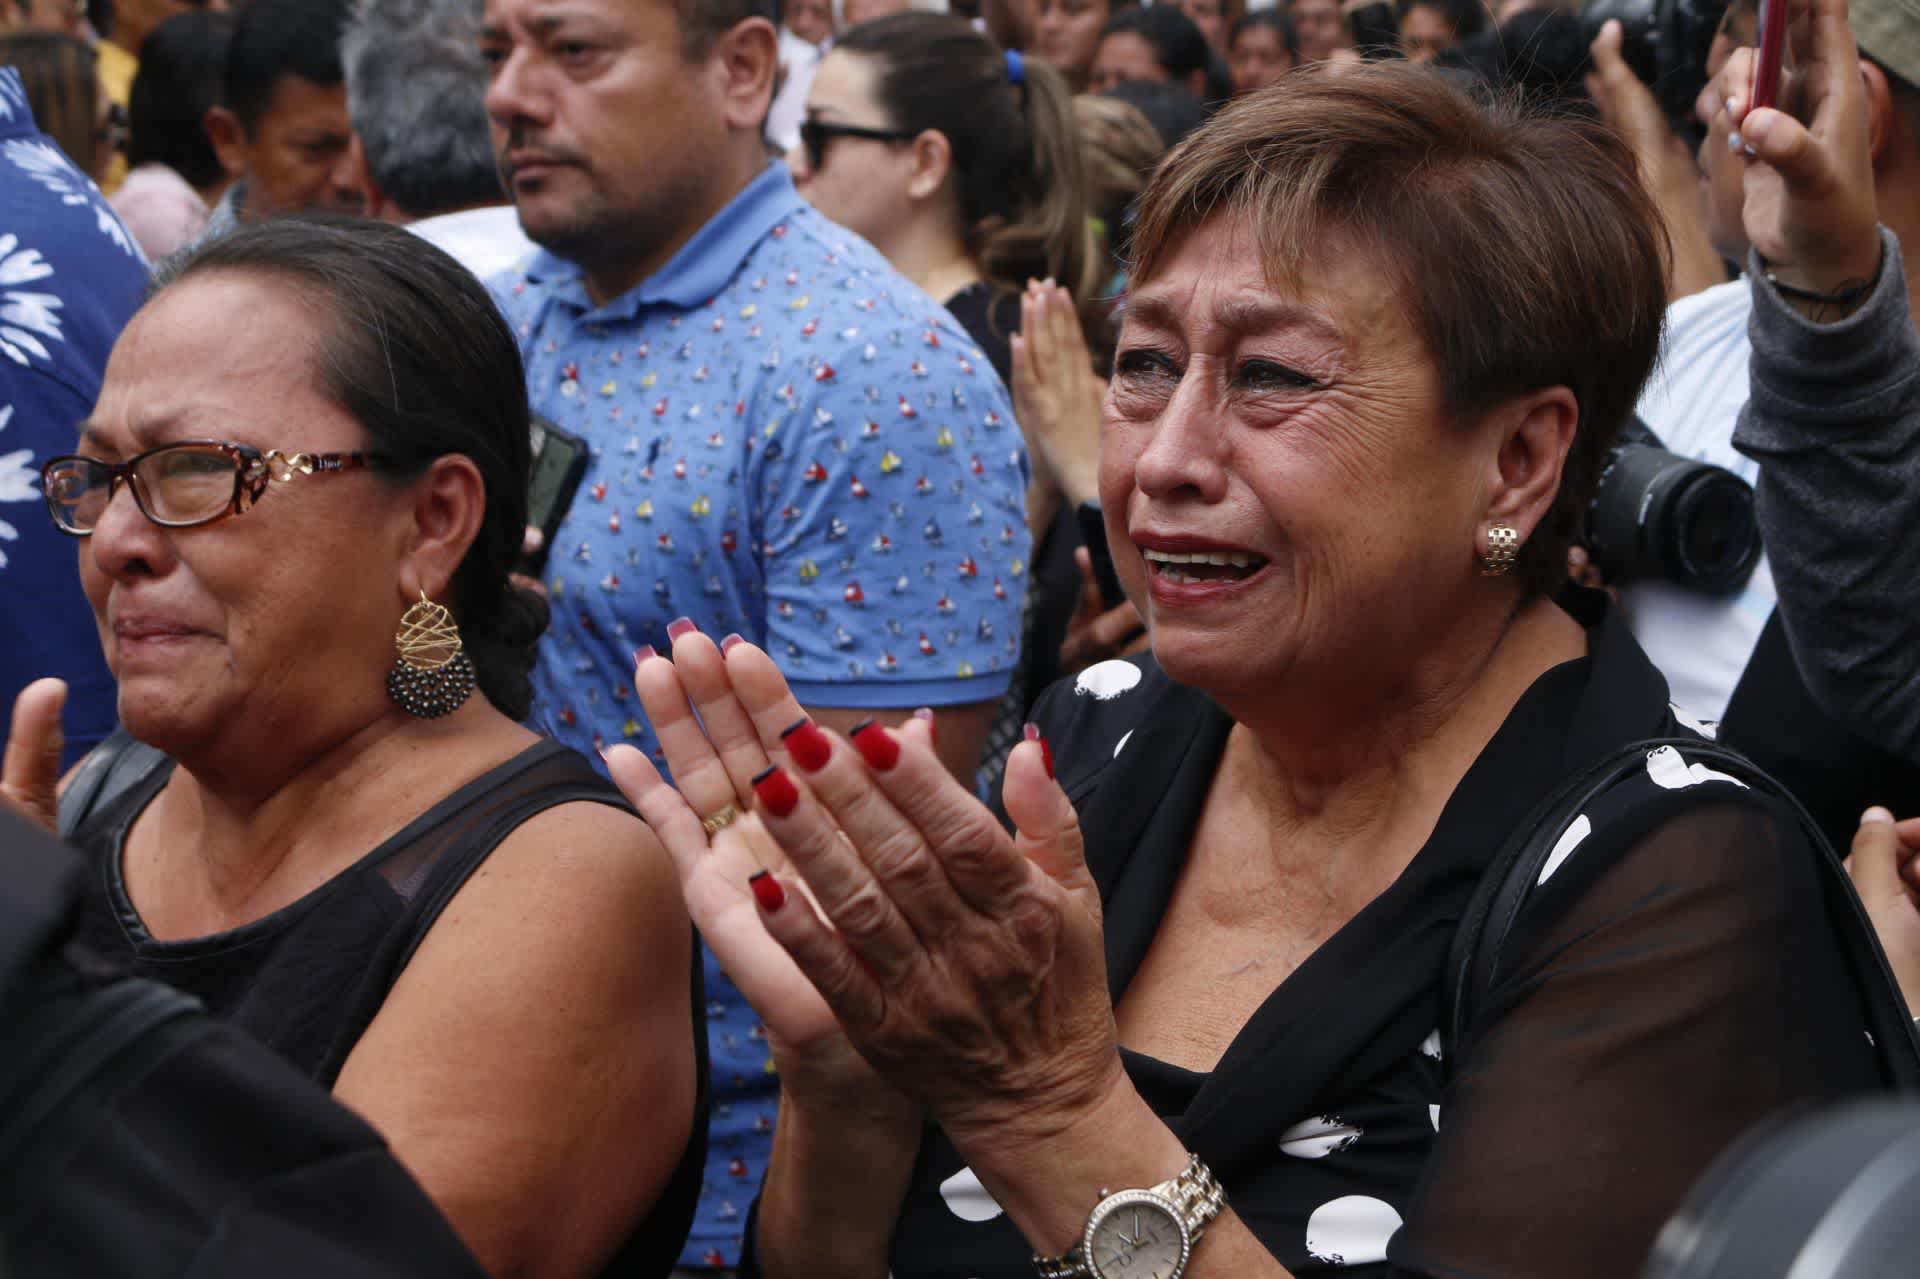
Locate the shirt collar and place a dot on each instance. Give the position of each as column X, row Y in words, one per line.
column 704, row 264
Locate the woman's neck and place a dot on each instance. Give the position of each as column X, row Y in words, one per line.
column 933, row 256
column 1378, row 771
column 240, row 841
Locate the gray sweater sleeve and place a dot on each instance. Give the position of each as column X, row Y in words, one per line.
column 1834, row 422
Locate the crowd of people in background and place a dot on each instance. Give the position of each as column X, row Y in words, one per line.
column 799, row 638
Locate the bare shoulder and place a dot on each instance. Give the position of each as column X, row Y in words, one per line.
column 548, row 1016
column 579, row 877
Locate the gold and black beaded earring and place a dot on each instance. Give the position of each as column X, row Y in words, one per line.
column 433, row 675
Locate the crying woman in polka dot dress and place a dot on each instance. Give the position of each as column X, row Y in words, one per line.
column 1213, row 920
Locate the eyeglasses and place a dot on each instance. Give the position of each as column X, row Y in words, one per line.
column 815, row 134
column 182, row 485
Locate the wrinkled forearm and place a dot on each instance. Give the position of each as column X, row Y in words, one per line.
column 1834, row 421
column 832, row 1193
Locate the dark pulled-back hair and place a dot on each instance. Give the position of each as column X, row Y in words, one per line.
column 1017, row 166
column 1275, row 20
column 1178, row 46
column 415, row 349
column 182, row 64
column 1522, row 243
column 275, row 39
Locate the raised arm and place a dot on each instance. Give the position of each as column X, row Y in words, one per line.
column 1834, row 419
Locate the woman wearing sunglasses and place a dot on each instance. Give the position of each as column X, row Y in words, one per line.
column 959, row 162
column 962, row 165
column 296, row 504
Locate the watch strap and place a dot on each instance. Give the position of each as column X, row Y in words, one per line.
column 1195, row 1193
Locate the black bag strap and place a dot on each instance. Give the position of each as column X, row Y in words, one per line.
column 109, row 771
column 55, row 1050
column 1473, row 961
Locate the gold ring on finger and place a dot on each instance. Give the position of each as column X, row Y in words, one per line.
column 720, row 821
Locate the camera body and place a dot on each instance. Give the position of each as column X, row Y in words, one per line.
column 1666, row 43
column 1657, row 514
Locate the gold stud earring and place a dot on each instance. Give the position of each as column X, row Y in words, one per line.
column 1503, row 545
column 433, row 675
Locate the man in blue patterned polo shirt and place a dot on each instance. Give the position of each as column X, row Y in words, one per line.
column 788, row 439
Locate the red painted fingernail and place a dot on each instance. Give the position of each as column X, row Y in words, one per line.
column 933, row 725
column 767, row 891
column 807, row 744
column 680, row 626
column 778, row 795
column 727, row 645
column 1032, row 734
column 877, row 746
column 642, row 653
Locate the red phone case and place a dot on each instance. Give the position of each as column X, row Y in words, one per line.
column 1773, row 41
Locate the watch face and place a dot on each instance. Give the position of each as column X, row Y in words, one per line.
column 1136, row 1237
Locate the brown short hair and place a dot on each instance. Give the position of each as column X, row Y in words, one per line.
column 1522, row 242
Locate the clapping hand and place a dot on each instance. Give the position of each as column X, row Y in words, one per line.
column 1056, row 394
column 718, row 718
column 965, row 963
column 30, row 775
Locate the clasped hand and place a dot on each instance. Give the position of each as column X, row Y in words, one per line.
column 963, row 964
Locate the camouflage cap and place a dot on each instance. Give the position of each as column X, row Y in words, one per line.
column 1888, row 31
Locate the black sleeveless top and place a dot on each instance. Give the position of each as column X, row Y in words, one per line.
column 308, row 979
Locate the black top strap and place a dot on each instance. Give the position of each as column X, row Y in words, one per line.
column 1473, row 963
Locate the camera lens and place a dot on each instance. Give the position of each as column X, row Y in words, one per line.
column 1703, row 523
column 1656, row 514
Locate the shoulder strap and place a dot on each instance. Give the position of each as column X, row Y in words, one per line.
column 1473, row 960
column 109, row 771
column 1474, row 954
column 448, row 878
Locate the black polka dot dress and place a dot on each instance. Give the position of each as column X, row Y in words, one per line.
column 1673, row 980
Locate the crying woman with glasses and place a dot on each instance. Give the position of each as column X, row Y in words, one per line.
column 295, row 506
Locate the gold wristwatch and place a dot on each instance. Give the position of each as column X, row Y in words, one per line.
column 1142, row 1234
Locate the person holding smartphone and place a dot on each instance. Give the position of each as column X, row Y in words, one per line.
column 1831, row 700
column 1821, row 634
